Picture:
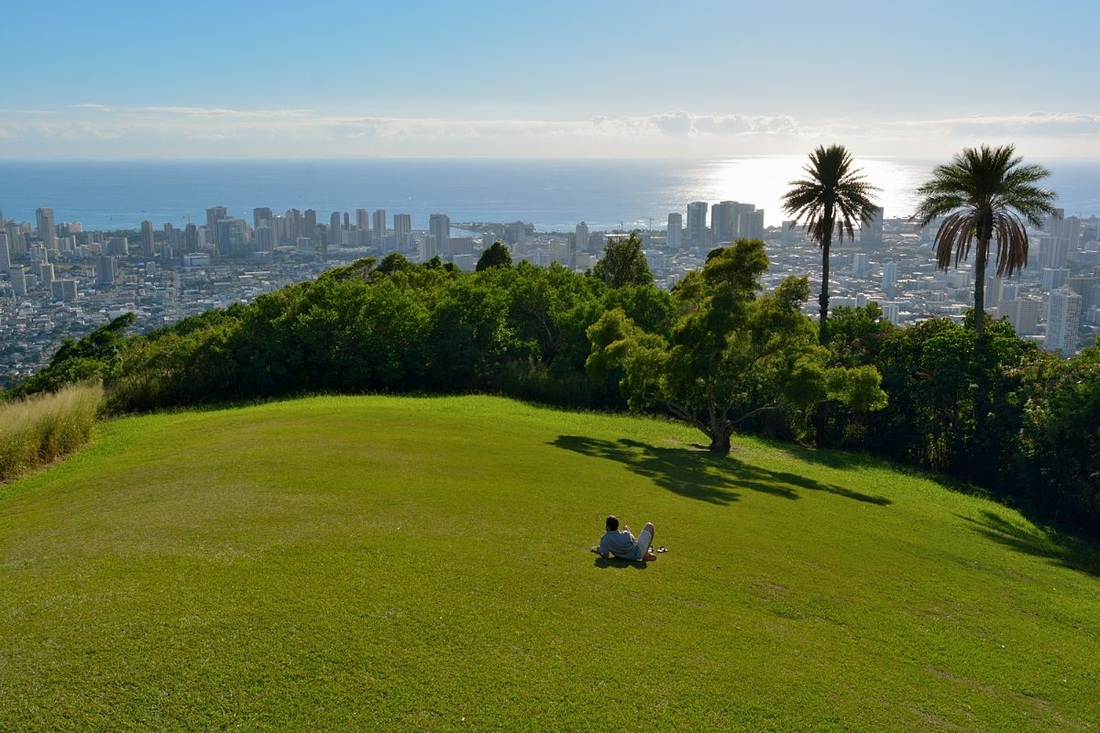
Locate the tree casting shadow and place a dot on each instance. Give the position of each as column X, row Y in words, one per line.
column 1062, row 550
column 700, row 475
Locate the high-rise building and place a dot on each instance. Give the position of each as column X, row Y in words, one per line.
column 1022, row 313
column 427, row 249
column 213, row 215
column 1067, row 229
column 147, row 239
column 232, row 237
column 1063, row 320
column 105, row 270
column 1053, row 278
column 860, row 264
column 870, row 234
column 309, row 224
column 696, row 223
column 118, row 246
column 5, row 252
column 744, row 220
column 18, row 279
column 757, row 224
column 17, row 239
column 378, row 224
column 63, row 290
column 890, row 279
column 260, row 215
column 334, row 230
column 581, row 237
column 402, row 230
column 439, row 226
column 263, row 238
column 1053, row 252
column 723, row 222
column 674, row 235
column 293, row 226
column 47, row 233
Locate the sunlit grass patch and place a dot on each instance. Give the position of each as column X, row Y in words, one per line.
column 421, row 564
column 38, row 430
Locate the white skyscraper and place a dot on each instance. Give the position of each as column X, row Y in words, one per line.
column 1063, row 320
column 675, row 232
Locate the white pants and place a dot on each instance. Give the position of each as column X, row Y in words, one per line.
column 645, row 539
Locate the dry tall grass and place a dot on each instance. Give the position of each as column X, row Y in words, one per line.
column 39, row 430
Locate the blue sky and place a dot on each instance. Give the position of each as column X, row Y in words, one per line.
column 602, row 78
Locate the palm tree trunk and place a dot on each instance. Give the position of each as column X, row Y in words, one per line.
column 823, row 299
column 979, row 286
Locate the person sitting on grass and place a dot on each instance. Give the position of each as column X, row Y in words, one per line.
column 621, row 544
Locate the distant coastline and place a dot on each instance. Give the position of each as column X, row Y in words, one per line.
column 552, row 194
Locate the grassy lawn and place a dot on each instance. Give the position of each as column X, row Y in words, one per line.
column 422, row 564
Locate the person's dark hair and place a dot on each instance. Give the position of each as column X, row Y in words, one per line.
column 612, row 523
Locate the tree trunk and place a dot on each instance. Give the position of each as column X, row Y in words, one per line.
column 979, row 286
column 720, row 432
column 720, row 444
column 823, row 299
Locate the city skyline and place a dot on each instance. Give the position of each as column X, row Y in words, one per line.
column 611, row 79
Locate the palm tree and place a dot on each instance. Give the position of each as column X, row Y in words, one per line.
column 983, row 194
column 834, row 197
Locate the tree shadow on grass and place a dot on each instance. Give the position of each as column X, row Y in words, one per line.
column 701, row 475
column 1063, row 550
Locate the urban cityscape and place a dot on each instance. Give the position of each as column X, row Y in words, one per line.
column 59, row 281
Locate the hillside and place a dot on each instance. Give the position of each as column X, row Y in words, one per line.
column 421, row 564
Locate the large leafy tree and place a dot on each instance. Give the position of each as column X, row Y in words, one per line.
column 834, row 197
column 496, row 255
column 623, row 263
column 731, row 354
column 984, row 194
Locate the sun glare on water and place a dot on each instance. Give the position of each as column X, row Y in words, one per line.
column 764, row 180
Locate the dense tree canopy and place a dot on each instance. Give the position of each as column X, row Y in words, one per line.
column 623, row 263
column 731, row 354
column 497, row 255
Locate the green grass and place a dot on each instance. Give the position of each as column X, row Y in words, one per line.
column 422, row 564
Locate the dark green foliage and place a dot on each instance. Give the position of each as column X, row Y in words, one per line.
column 1060, row 439
column 730, row 356
column 496, row 256
column 623, row 263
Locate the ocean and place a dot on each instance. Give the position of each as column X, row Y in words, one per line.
column 554, row 195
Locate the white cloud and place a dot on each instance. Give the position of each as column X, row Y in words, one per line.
column 216, row 131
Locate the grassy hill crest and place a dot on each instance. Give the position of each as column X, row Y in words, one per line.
column 421, row 564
